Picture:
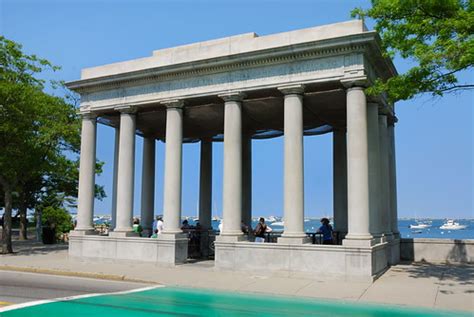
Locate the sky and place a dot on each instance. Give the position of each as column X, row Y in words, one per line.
column 434, row 136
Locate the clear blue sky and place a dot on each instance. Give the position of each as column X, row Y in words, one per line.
column 434, row 136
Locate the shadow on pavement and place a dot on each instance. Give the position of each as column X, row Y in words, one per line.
column 32, row 247
column 448, row 274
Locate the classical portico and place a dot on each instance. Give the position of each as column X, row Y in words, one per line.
column 296, row 84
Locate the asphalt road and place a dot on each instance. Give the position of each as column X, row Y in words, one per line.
column 18, row 287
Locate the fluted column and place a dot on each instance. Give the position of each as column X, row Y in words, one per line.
column 126, row 172
column 393, row 180
column 114, row 179
column 340, row 180
column 247, row 180
column 205, row 185
column 294, row 168
column 85, row 204
column 357, row 169
column 375, row 200
column 173, row 168
column 384, row 177
column 232, row 187
column 148, row 185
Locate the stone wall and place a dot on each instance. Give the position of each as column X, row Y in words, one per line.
column 437, row 250
column 324, row 261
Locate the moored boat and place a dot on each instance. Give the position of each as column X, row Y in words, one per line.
column 452, row 225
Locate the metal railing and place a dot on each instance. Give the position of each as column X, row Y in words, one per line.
column 201, row 242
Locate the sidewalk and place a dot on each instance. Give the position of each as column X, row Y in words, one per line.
column 423, row 285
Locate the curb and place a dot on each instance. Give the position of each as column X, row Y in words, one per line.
column 99, row 276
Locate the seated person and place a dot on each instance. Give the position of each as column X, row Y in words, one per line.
column 326, row 230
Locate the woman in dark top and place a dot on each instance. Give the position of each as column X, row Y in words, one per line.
column 326, row 230
column 260, row 230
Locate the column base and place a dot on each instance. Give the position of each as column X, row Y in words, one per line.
column 83, row 232
column 230, row 238
column 359, row 241
column 171, row 236
column 294, row 240
column 388, row 237
column 379, row 237
column 123, row 234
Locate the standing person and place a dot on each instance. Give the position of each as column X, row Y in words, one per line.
column 326, row 230
column 159, row 224
column 260, row 230
column 137, row 227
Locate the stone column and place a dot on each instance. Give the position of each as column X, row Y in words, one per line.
column 114, row 179
column 205, row 185
column 173, row 168
column 148, row 186
column 247, row 180
column 205, row 195
column 376, row 226
column 294, row 168
column 126, row 173
column 232, row 188
column 393, row 180
column 384, row 177
column 340, row 181
column 357, row 169
column 85, row 203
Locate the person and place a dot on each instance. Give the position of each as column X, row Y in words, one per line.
column 185, row 225
column 244, row 228
column 155, row 234
column 159, row 224
column 260, row 230
column 137, row 227
column 326, row 230
column 155, row 223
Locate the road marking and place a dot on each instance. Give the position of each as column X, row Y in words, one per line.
column 69, row 298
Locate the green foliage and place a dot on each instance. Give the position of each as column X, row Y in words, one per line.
column 59, row 218
column 39, row 138
column 436, row 34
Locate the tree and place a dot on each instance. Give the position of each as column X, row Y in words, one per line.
column 39, row 137
column 436, row 34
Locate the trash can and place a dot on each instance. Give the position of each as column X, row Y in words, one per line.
column 49, row 235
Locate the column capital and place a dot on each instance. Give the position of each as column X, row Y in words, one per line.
column 173, row 103
column 87, row 114
column 358, row 82
column 233, row 96
column 292, row 89
column 126, row 109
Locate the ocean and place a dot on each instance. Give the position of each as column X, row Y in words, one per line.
column 311, row 225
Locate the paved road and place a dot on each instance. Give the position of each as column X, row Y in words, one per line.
column 17, row 287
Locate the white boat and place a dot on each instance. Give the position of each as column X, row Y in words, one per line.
column 420, row 226
column 271, row 219
column 278, row 223
column 452, row 225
